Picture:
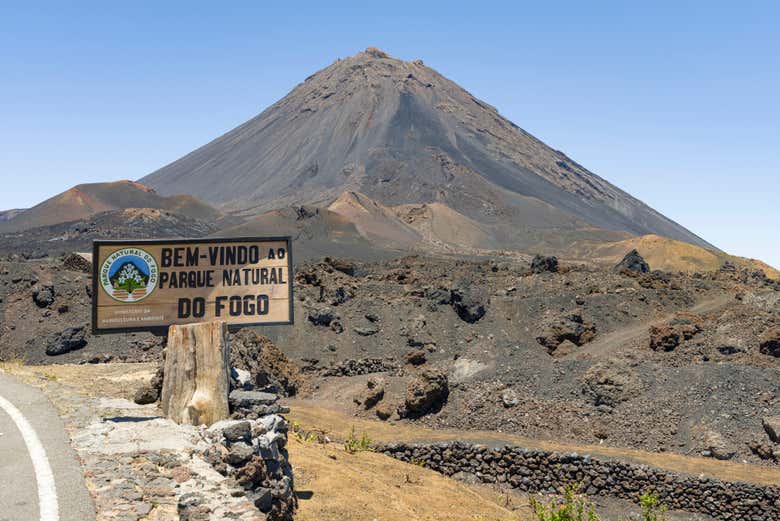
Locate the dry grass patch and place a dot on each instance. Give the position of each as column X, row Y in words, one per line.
column 334, row 485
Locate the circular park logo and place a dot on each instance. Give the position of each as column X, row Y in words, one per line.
column 129, row 275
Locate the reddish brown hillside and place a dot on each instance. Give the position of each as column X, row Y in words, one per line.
column 85, row 200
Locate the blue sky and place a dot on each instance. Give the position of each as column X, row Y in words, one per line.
column 677, row 102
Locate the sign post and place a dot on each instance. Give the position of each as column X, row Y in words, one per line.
column 148, row 285
column 195, row 289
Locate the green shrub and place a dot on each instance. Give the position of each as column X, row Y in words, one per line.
column 572, row 507
column 652, row 509
column 354, row 444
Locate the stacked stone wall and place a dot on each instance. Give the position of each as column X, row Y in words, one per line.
column 538, row 471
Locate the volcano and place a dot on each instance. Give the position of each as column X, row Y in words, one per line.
column 398, row 134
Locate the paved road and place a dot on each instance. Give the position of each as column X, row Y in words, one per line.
column 39, row 475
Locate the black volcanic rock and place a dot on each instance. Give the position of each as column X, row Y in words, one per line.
column 633, row 262
column 769, row 342
column 541, row 263
column 44, row 296
column 572, row 327
column 426, row 393
column 401, row 133
column 468, row 300
column 70, row 339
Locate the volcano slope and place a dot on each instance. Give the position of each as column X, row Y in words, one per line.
column 401, row 133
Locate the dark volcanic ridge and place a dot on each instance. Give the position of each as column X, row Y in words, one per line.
column 135, row 223
column 354, row 226
column 85, row 200
column 6, row 215
column 401, row 133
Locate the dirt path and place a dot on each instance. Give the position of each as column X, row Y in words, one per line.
column 605, row 346
column 338, row 425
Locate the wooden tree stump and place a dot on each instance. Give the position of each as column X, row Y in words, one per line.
column 196, row 379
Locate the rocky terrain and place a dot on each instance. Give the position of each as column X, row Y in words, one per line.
column 554, row 351
column 658, row 361
column 46, row 311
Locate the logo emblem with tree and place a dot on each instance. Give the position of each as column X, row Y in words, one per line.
column 129, row 275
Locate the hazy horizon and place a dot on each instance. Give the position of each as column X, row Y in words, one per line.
column 675, row 105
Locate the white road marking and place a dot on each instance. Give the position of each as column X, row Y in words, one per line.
column 47, row 491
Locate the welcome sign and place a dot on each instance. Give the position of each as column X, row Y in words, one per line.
column 148, row 285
